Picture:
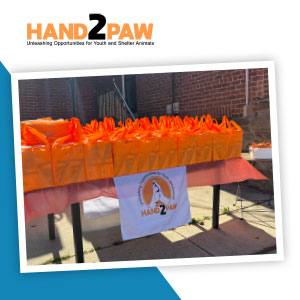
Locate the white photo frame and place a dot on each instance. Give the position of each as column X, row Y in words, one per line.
column 270, row 65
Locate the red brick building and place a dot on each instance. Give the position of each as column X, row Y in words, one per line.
column 53, row 97
column 216, row 92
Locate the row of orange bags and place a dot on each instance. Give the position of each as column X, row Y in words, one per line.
column 57, row 153
column 261, row 145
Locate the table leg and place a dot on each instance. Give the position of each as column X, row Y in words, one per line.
column 51, row 226
column 216, row 205
column 77, row 232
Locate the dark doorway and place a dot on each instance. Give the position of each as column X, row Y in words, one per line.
column 130, row 92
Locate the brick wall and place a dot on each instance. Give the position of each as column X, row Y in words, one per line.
column 86, row 99
column 218, row 93
column 44, row 98
column 52, row 97
column 215, row 92
column 259, row 90
column 153, row 92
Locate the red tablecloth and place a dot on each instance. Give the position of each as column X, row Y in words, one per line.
column 42, row 202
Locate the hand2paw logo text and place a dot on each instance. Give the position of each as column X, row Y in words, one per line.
column 102, row 34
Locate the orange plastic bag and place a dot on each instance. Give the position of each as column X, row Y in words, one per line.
column 98, row 154
column 148, row 154
column 125, row 154
column 134, row 148
column 220, row 145
column 221, row 139
column 98, row 159
column 236, row 141
column 68, row 157
column 187, row 146
column 148, row 145
column 68, row 163
column 168, row 152
column 204, row 145
column 125, row 151
column 36, row 160
column 186, row 140
column 51, row 129
column 165, row 132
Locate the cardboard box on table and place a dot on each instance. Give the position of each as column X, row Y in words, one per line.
column 260, row 153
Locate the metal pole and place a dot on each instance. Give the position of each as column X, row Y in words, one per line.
column 72, row 82
column 77, row 232
column 124, row 101
column 123, row 86
column 51, row 226
column 216, row 205
column 75, row 208
column 247, row 86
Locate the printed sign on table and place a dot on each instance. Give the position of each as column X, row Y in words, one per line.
column 152, row 202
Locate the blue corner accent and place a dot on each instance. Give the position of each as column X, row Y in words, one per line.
column 135, row 283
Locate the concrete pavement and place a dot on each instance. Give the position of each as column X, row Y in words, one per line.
column 102, row 239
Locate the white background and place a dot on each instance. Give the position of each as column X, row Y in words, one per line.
column 191, row 32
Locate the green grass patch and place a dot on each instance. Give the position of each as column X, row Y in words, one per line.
column 226, row 211
column 200, row 220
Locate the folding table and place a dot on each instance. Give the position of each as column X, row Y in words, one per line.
column 52, row 200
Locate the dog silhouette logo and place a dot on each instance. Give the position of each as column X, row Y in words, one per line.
column 156, row 194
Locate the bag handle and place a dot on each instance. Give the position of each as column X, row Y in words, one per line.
column 62, row 140
column 237, row 127
column 29, row 132
column 209, row 122
column 100, row 134
column 145, row 123
column 225, row 123
column 109, row 124
column 75, row 135
column 155, row 123
column 94, row 125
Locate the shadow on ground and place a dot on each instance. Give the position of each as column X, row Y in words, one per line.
column 102, row 239
column 235, row 237
column 247, row 193
column 38, row 230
